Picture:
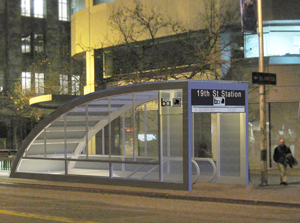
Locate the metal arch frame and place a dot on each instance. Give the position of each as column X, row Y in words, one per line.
column 162, row 85
column 104, row 122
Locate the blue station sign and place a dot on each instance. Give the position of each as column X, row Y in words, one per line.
column 208, row 100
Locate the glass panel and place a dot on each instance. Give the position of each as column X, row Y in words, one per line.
column 254, row 135
column 101, row 144
column 96, row 2
column 26, row 80
column 25, row 7
column 1, row 81
column 63, row 82
column 147, row 129
column 77, row 5
column 230, row 145
column 171, row 135
column 41, row 166
column 116, row 147
column 39, row 83
column 63, row 11
column 38, row 8
column 76, row 85
column 288, row 36
column 26, row 44
column 285, row 126
column 136, row 171
column 38, row 43
column 100, row 169
column 203, row 127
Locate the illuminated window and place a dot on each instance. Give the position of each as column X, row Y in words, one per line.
column 76, row 85
column 96, row 2
column 38, row 43
column 63, row 10
column 39, row 83
column 287, row 35
column 25, row 7
column 37, row 46
column 34, row 8
column 38, row 8
column 77, row 5
column 26, row 80
column 26, row 44
column 1, row 81
column 63, row 82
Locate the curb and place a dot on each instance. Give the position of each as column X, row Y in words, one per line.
column 154, row 195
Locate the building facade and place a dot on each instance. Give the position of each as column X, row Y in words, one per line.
column 34, row 52
column 95, row 36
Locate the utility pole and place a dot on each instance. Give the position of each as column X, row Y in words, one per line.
column 262, row 119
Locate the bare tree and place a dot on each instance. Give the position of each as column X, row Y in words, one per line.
column 183, row 54
column 56, row 70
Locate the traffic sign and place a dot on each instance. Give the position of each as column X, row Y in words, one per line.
column 263, row 78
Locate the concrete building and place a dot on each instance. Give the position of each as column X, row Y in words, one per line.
column 94, row 37
column 33, row 34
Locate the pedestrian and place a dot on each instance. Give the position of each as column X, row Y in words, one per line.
column 280, row 157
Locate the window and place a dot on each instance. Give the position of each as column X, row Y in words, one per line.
column 2, row 6
column 38, row 43
column 26, row 44
column 96, row 2
column 63, row 10
column 287, row 35
column 77, row 5
column 25, row 7
column 39, row 83
column 1, row 81
column 37, row 46
column 34, row 8
column 76, row 85
column 38, row 8
column 26, row 80
column 63, row 82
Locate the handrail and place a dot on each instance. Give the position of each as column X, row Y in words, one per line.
column 166, row 160
column 213, row 165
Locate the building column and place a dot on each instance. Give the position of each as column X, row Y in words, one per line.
column 90, row 72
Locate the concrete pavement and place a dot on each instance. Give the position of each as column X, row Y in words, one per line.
column 253, row 194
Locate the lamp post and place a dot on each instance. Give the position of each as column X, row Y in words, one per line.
column 262, row 119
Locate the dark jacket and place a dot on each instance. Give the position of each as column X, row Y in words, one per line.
column 291, row 160
column 280, row 153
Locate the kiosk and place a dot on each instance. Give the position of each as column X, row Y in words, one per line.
column 167, row 134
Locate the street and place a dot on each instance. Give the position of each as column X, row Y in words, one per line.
column 45, row 205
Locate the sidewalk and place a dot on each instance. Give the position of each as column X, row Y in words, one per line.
column 252, row 194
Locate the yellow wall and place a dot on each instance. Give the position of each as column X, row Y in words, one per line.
column 90, row 26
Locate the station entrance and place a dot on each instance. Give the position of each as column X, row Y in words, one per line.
column 219, row 135
column 161, row 135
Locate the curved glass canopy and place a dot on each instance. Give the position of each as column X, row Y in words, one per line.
column 111, row 134
column 155, row 134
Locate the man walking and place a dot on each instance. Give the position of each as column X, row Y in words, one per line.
column 279, row 157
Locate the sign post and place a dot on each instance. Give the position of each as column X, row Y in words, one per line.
column 263, row 79
column 262, row 118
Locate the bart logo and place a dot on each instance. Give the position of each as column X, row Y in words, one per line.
column 219, row 101
column 168, row 103
column 165, row 103
column 176, row 102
